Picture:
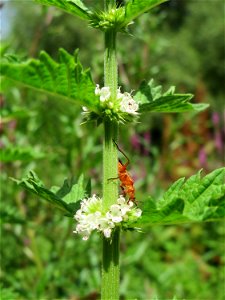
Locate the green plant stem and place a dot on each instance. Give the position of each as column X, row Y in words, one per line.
column 110, row 257
column 110, row 62
column 111, row 267
column 110, row 165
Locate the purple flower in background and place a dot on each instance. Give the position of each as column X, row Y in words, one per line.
column 215, row 118
column 218, row 141
column 218, row 135
column 147, row 138
column 202, row 157
column 135, row 141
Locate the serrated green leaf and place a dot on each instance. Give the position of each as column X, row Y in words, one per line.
column 19, row 154
column 65, row 198
column 64, row 189
column 74, row 7
column 76, row 193
column 135, row 8
column 65, row 79
column 151, row 99
column 194, row 200
column 167, row 104
column 204, row 195
column 175, row 188
column 34, row 185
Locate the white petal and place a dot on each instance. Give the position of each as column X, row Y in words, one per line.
column 78, row 214
column 119, row 95
column 115, row 208
column 121, row 200
column 128, row 104
column 107, row 232
column 125, row 209
column 105, row 93
column 117, row 219
column 138, row 212
column 97, row 90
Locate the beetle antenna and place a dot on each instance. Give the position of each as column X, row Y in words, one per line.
column 128, row 161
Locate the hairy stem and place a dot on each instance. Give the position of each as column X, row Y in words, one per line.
column 110, row 257
column 110, row 62
column 111, row 268
column 110, row 165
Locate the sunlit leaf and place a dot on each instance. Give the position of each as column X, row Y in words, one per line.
column 194, row 200
column 72, row 192
column 65, row 79
column 74, row 7
column 151, row 99
column 135, row 8
column 65, row 198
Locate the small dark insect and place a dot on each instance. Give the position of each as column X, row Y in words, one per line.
column 126, row 182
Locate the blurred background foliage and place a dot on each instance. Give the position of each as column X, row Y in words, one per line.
column 180, row 43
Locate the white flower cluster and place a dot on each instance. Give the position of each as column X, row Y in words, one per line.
column 91, row 217
column 126, row 103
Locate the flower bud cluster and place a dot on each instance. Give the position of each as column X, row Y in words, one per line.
column 108, row 20
column 123, row 102
column 92, row 217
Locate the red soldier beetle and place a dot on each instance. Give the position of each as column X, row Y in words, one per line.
column 126, row 181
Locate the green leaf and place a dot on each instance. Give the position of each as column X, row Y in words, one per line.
column 61, row 198
column 151, row 99
column 194, row 200
column 65, row 79
column 17, row 113
column 72, row 192
column 9, row 214
column 135, row 8
column 8, row 293
column 74, row 7
column 19, row 154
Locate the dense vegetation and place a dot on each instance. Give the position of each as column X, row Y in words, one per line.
column 39, row 250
